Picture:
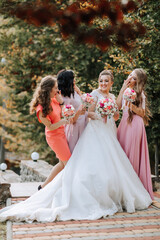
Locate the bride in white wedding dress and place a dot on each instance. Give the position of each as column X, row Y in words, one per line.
column 97, row 181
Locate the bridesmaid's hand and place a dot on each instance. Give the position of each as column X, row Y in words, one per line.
column 126, row 84
column 82, row 110
column 59, row 97
column 77, row 90
column 129, row 105
column 64, row 121
column 71, row 120
column 116, row 116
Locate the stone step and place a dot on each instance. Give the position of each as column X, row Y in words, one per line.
column 25, row 189
column 9, row 176
column 34, row 171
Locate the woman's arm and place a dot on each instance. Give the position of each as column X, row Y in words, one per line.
column 116, row 116
column 80, row 111
column 137, row 110
column 120, row 96
column 77, row 90
column 49, row 125
column 59, row 98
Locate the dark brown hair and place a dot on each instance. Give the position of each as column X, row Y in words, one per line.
column 42, row 95
column 65, row 79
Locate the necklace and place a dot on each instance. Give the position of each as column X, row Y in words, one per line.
column 105, row 95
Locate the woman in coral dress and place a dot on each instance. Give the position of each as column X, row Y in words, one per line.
column 47, row 102
column 131, row 131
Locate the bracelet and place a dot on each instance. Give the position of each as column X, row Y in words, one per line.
column 61, row 103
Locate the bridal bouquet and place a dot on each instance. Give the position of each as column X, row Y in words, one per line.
column 87, row 99
column 68, row 111
column 107, row 107
column 129, row 95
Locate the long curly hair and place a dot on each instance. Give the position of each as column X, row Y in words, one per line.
column 106, row 72
column 42, row 95
column 65, row 79
column 139, row 88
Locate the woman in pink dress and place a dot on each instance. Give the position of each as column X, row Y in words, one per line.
column 131, row 131
column 47, row 102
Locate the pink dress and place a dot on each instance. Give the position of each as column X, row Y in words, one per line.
column 74, row 131
column 132, row 137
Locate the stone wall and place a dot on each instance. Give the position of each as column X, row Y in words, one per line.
column 34, row 171
column 6, row 178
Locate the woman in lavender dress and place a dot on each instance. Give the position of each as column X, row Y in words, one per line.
column 71, row 95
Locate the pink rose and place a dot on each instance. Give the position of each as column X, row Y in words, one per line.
column 68, row 106
column 101, row 104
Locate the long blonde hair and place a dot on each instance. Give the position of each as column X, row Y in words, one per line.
column 42, row 95
column 139, row 88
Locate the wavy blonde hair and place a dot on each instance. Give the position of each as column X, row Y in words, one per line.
column 139, row 88
column 42, row 95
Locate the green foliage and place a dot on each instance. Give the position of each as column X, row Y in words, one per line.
column 34, row 52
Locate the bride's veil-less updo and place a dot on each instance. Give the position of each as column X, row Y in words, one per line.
column 65, row 80
column 106, row 72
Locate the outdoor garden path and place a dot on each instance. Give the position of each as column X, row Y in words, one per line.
column 141, row 225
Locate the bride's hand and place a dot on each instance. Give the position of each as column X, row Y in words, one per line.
column 93, row 115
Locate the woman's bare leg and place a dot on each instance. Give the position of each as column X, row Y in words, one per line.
column 56, row 169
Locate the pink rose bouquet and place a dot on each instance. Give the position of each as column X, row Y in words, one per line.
column 107, row 107
column 68, row 111
column 87, row 99
column 129, row 95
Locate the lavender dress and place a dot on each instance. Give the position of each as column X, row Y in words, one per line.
column 74, row 131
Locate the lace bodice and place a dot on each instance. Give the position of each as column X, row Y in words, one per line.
column 97, row 95
column 110, row 120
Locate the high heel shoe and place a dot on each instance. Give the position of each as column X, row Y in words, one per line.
column 39, row 187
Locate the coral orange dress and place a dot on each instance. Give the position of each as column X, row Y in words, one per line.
column 56, row 139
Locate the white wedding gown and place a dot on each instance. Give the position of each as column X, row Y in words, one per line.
column 97, row 181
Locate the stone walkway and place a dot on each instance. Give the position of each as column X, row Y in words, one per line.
column 141, row 225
